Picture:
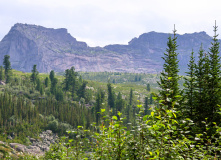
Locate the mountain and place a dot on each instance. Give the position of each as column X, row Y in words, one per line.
column 55, row 49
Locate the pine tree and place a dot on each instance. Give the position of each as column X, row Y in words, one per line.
column 66, row 81
column 190, row 84
column 54, row 86
column 38, row 84
column 41, row 90
column 201, row 87
column 146, row 107
column 46, row 82
column 34, row 75
column 72, row 80
column 98, row 105
column 215, row 78
column 111, row 96
column 131, row 97
column 7, row 66
column 119, row 102
column 82, row 90
column 169, row 77
column 51, row 76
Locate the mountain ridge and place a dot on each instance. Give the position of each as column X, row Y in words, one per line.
column 55, row 49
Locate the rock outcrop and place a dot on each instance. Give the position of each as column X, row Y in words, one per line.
column 37, row 147
column 55, row 49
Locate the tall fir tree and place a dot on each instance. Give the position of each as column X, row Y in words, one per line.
column 190, row 84
column 146, row 107
column 131, row 97
column 34, row 75
column 111, row 96
column 46, row 82
column 7, row 67
column 169, row 77
column 201, row 87
column 72, row 80
column 215, row 78
column 98, row 105
column 52, row 75
column 120, row 103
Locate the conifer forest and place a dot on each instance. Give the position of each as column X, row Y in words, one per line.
column 178, row 117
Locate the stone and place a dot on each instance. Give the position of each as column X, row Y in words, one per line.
column 2, row 83
column 18, row 147
column 55, row 49
column 38, row 147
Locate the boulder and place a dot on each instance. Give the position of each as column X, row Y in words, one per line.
column 18, row 147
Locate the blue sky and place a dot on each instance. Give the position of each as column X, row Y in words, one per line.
column 103, row 22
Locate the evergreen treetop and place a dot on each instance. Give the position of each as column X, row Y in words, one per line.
column 169, row 77
column 215, row 78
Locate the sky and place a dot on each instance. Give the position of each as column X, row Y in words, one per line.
column 104, row 22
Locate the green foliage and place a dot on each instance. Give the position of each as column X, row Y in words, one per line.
column 169, row 77
column 47, row 82
column 160, row 135
column 53, row 125
column 34, row 75
column 7, row 67
column 190, row 86
column 1, row 73
column 214, row 79
column 111, row 96
column 148, row 87
column 52, row 75
column 98, row 105
column 175, row 126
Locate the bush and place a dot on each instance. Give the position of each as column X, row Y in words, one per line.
column 53, row 125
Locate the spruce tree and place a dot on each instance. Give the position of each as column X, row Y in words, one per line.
column 169, row 77
column 131, row 97
column 190, row 87
column 111, row 96
column 46, row 82
column 201, row 87
column 66, row 81
column 82, row 90
column 38, row 84
column 215, row 78
column 34, row 75
column 98, row 105
column 54, row 86
column 7, row 67
column 72, row 80
column 119, row 102
column 51, row 76
column 146, row 107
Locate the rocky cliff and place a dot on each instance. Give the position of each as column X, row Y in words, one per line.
column 55, row 49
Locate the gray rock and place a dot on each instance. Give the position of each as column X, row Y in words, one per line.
column 32, row 140
column 2, row 83
column 38, row 147
column 55, row 49
column 18, row 147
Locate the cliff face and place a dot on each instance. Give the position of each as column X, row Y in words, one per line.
column 152, row 46
column 55, row 49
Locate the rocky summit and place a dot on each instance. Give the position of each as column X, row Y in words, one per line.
column 55, row 49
